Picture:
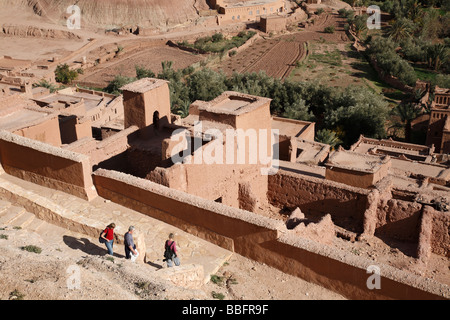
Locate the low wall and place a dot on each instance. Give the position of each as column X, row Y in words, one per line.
column 46, row 165
column 262, row 239
column 228, row 227
column 317, row 197
column 344, row 272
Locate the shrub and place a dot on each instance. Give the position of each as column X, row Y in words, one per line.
column 217, row 37
column 32, row 248
column 329, row 29
column 218, row 295
column 142, row 72
column 16, row 295
column 64, row 75
column 216, row 279
column 383, row 51
column 118, row 82
column 45, row 84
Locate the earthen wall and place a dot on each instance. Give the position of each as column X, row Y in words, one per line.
column 234, row 229
column 317, row 197
column 46, row 131
column 46, row 165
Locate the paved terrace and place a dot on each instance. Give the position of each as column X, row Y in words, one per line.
column 89, row 218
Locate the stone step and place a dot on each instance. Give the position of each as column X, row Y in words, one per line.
column 4, row 205
column 85, row 217
column 23, row 219
column 10, row 214
column 35, row 225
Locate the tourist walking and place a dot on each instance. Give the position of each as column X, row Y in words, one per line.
column 107, row 237
column 130, row 247
column 170, row 252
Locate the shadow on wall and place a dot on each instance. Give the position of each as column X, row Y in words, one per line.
column 402, row 234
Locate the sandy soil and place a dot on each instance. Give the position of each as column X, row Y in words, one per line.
column 149, row 58
column 47, row 275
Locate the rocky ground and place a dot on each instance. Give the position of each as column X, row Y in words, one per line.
column 63, row 270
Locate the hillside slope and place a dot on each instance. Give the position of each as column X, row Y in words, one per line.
column 114, row 13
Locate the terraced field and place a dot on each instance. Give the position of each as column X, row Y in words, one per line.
column 278, row 56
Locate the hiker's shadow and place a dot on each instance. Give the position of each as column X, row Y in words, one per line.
column 87, row 246
column 155, row 265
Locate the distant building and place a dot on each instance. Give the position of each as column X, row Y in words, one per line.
column 245, row 11
column 439, row 124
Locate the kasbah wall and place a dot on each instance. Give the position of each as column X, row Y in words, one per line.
column 384, row 209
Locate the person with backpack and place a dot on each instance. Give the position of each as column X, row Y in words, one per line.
column 107, row 237
column 170, row 252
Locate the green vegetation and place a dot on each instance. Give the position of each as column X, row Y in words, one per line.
column 64, row 75
column 3, row 236
column 216, row 279
column 218, row 43
column 44, row 83
column 16, row 295
column 333, row 58
column 407, row 113
column 218, row 295
column 118, row 82
column 329, row 29
column 383, row 51
column 357, row 110
column 328, row 137
column 32, row 248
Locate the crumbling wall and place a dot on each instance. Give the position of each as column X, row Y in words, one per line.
column 317, row 197
column 235, row 229
column 46, row 165
column 399, row 219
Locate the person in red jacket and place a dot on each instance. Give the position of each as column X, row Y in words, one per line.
column 108, row 237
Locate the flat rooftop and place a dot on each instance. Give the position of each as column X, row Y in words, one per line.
column 234, row 103
column 311, row 151
column 143, row 85
column 7, row 63
column 22, row 118
column 393, row 149
column 400, row 167
column 355, row 161
column 289, row 127
column 58, row 99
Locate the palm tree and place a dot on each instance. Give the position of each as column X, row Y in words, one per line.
column 436, row 55
column 327, row 137
column 400, row 29
column 407, row 113
column 414, row 11
column 359, row 24
column 183, row 110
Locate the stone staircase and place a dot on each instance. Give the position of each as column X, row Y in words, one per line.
column 57, row 217
column 18, row 217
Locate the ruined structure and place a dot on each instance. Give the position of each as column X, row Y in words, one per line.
column 245, row 11
column 438, row 133
column 179, row 171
